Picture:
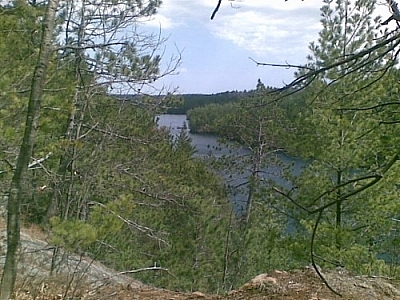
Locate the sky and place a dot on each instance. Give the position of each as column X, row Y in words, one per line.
column 218, row 55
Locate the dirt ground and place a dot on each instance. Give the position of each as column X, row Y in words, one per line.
column 278, row 285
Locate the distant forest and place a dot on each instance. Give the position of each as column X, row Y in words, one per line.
column 181, row 104
column 190, row 101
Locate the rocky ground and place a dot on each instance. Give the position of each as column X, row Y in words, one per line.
column 49, row 274
column 299, row 284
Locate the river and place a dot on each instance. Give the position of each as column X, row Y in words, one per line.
column 208, row 145
column 205, row 144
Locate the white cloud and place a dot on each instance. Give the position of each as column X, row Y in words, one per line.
column 174, row 13
column 270, row 30
column 279, row 4
column 161, row 21
column 257, row 26
column 250, row 30
column 181, row 70
column 260, row 32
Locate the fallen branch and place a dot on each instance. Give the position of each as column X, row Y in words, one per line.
column 39, row 161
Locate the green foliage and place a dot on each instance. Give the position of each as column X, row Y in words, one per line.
column 148, row 198
column 115, row 184
column 20, row 36
column 257, row 246
column 344, row 122
column 18, row 49
column 345, row 141
column 134, row 197
column 254, row 241
column 74, row 235
column 105, row 219
column 176, row 223
column 226, row 120
column 191, row 101
column 207, row 119
column 183, row 143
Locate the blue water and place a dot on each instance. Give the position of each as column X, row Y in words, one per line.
column 208, row 145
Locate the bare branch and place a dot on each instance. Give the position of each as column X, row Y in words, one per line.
column 216, row 9
column 286, row 66
column 371, row 107
column 291, row 199
column 312, row 244
column 143, row 270
column 111, row 133
column 39, row 161
column 146, row 230
column 94, row 46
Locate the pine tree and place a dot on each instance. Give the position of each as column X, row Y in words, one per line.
column 18, row 187
column 344, row 141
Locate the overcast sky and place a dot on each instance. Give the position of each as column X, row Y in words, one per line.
column 216, row 54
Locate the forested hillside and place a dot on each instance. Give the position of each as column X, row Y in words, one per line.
column 101, row 179
column 181, row 103
column 214, row 117
column 189, row 101
column 344, row 120
column 93, row 171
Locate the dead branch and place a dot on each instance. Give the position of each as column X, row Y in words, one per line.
column 216, row 9
column 144, row 229
column 371, row 107
column 312, row 243
column 113, row 134
column 39, row 161
column 155, row 268
column 286, row 65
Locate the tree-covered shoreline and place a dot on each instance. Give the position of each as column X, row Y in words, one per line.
column 98, row 175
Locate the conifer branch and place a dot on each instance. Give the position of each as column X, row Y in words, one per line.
column 359, row 59
column 286, row 65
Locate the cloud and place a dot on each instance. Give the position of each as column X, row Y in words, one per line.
column 272, row 31
column 181, row 70
column 259, row 32
column 257, row 26
column 250, row 30
column 175, row 13
column 161, row 21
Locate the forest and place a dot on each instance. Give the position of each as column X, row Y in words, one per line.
column 95, row 171
column 190, row 101
column 182, row 103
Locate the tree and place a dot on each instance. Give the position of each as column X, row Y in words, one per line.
column 345, row 128
column 100, row 65
column 162, row 206
column 121, row 61
column 344, row 139
column 252, row 124
column 19, row 181
column 17, row 25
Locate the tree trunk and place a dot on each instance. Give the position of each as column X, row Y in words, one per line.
column 18, row 188
column 61, row 201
